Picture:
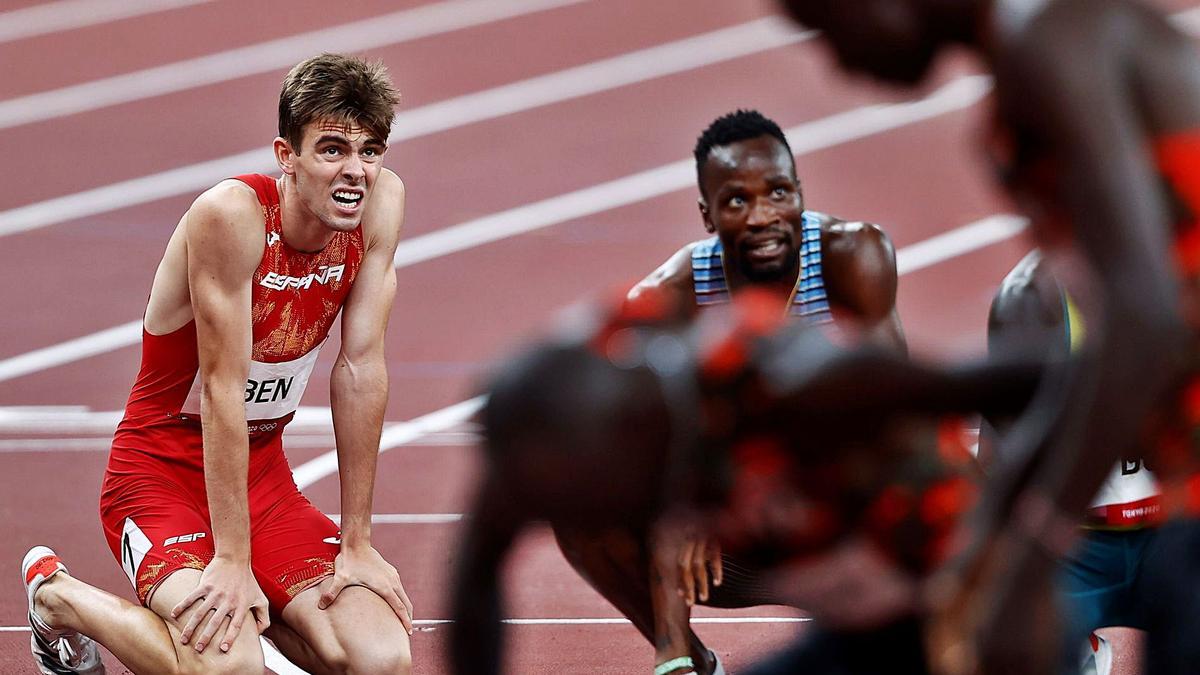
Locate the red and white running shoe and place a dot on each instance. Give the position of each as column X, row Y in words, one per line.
column 57, row 652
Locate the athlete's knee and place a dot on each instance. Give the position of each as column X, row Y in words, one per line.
column 383, row 659
column 237, row 661
column 375, row 658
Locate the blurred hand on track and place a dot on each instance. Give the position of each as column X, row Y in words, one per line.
column 698, row 557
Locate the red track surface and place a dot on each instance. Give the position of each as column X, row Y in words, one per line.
column 457, row 313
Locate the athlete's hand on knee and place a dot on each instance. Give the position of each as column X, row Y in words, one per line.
column 698, row 556
column 365, row 567
column 227, row 589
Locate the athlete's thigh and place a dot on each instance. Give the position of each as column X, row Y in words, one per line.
column 359, row 628
column 245, row 654
column 1093, row 581
column 1171, row 596
column 154, row 527
column 292, row 544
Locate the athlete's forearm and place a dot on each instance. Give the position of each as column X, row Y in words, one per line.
column 476, row 645
column 226, row 467
column 358, row 398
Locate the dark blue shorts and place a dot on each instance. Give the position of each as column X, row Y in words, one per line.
column 1100, row 583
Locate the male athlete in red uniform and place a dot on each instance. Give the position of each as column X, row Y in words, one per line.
column 1097, row 127
column 821, row 270
column 198, row 502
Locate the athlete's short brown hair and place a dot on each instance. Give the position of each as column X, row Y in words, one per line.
column 343, row 88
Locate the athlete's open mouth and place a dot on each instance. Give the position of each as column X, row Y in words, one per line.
column 765, row 249
column 347, row 199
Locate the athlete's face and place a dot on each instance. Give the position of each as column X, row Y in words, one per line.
column 751, row 199
column 335, row 170
column 891, row 39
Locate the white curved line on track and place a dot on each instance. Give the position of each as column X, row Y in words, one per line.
column 53, row 17
column 359, row 36
column 592, row 78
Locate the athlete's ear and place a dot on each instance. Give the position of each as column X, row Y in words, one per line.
column 708, row 224
column 284, row 156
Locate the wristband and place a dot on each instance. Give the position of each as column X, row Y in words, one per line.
column 674, row 664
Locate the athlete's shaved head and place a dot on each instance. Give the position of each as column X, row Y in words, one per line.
column 576, row 439
column 344, row 89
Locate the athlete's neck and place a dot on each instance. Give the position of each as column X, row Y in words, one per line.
column 783, row 287
column 302, row 229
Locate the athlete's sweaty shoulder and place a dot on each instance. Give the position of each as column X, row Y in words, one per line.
column 221, row 234
column 225, row 227
column 384, row 215
column 859, row 266
column 673, row 277
column 1026, row 316
column 230, row 199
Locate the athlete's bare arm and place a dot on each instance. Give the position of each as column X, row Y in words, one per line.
column 673, row 277
column 224, row 244
column 476, row 637
column 859, row 265
column 1026, row 320
column 358, row 389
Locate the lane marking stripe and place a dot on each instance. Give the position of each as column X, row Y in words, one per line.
column 599, row 621
column 358, row 36
column 52, row 17
column 627, row 69
column 585, row 80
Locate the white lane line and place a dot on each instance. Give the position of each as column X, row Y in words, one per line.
column 592, row 78
column 567, row 621
column 442, row 439
column 276, row 662
column 1188, row 20
column 406, row 518
column 977, row 235
column 52, row 17
column 805, row 138
column 358, row 36
column 619, row 622
column 809, row 137
column 393, row 436
column 726, row 44
column 79, row 419
column 102, row 342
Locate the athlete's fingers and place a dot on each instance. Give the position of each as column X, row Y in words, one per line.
column 231, row 633
column 408, row 606
column 716, row 563
column 400, row 608
column 193, row 622
column 331, row 588
column 700, row 570
column 218, row 614
column 197, row 594
column 262, row 618
column 687, row 584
